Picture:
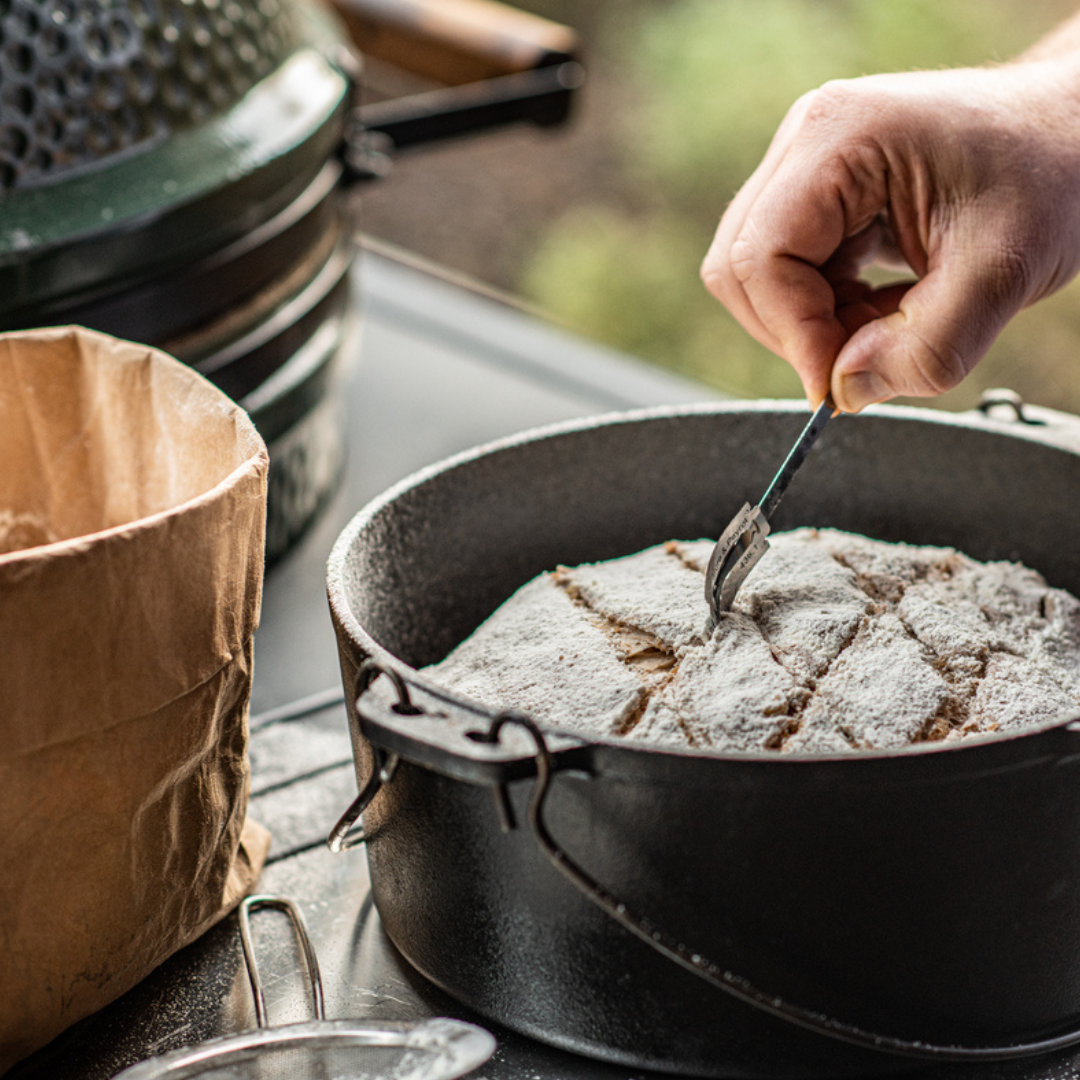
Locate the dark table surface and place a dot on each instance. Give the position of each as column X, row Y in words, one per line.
column 436, row 368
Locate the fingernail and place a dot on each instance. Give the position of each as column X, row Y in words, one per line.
column 862, row 389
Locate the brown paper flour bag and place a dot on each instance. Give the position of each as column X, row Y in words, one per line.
column 132, row 514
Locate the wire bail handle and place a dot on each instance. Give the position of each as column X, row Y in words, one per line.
column 311, row 962
column 342, row 837
column 716, row 976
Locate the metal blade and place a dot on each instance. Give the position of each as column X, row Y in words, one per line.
column 737, row 552
column 743, row 542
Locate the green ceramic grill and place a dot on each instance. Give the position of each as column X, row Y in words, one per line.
column 174, row 172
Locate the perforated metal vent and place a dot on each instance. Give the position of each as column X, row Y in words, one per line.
column 84, row 80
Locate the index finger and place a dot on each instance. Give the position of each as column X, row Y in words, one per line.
column 716, row 269
column 825, row 185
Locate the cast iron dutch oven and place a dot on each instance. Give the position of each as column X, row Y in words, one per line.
column 703, row 913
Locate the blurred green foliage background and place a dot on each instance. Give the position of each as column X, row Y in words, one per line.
column 709, row 81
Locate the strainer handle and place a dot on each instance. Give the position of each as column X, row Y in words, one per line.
column 311, row 962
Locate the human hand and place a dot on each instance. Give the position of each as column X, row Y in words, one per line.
column 970, row 178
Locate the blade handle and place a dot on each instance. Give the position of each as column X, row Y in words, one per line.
column 815, row 426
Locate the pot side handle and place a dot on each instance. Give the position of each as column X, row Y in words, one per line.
column 460, row 741
column 451, row 736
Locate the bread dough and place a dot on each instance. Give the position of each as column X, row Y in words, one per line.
column 835, row 643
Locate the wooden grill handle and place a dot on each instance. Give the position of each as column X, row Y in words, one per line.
column 456, row 41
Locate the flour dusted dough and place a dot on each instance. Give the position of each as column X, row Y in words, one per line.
column 835, row 643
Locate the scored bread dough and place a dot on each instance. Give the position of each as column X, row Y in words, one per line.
column 835, row 643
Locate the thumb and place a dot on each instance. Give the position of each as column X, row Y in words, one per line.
column 943, row 325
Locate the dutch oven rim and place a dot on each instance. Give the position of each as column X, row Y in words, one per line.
column 1034, row 430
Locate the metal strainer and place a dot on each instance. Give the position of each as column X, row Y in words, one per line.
column 321, row 1049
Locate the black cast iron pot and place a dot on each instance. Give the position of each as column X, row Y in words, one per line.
column 701, row 913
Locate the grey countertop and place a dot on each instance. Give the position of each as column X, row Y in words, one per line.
column 434, row 368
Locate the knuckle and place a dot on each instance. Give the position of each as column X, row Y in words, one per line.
column 824, row 102
column 858, row 178
column 1012, row 272
column 829, row 103
column 717, row 278
column 941, row 366
column 743, row 260
column 841, row 134
column 726, row 274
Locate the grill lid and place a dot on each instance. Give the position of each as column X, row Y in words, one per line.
column 137, row 136
column 85, row 80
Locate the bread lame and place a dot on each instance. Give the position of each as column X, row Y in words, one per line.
column 743, row 542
